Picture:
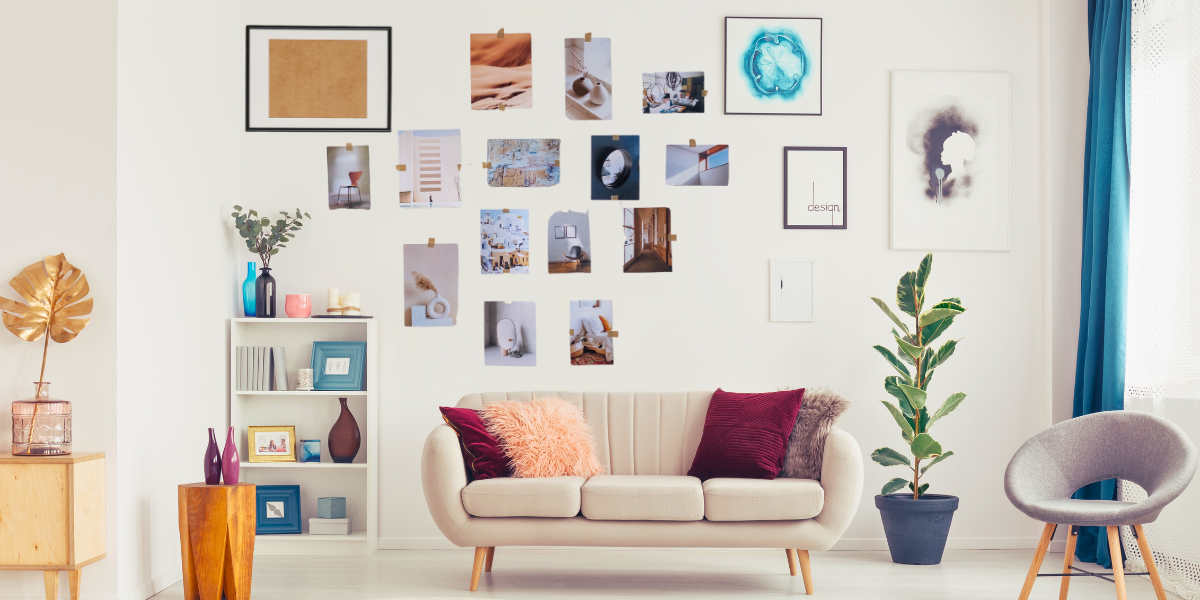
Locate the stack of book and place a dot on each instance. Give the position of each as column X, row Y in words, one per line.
column 261, row 369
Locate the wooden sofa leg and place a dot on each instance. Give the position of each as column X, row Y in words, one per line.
column 791, row 554
column 487, row 565
column 806, row 570
column 1148, row 558
column 477, row 568
column 1038, row 557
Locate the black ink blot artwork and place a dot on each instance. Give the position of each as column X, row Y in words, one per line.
column 945, row 139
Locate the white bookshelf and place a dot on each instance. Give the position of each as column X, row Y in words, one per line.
column 313, row 414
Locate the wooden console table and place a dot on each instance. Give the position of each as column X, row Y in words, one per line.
column 216, row 538
column 52, row 515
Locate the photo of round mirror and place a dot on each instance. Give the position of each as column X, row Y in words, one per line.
column 615, row 169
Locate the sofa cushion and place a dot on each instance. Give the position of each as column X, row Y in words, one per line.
column 481, row 450
column 523, row 497
column 545, row 437
column 745, row 435
column 728, row 499
column 643, row 498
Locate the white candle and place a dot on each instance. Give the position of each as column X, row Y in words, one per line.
column 333, row 303
column 350, row 301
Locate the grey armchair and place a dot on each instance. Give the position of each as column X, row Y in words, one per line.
column 1139, row 447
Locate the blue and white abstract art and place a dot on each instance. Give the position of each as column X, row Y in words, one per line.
column 772, row 66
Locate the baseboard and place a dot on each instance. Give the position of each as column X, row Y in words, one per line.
column 879, row 544
column 156, row 584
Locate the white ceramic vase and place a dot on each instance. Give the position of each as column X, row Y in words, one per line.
column 599, row 95
column 431, row 308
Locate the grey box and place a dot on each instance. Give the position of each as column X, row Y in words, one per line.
column 331, row 508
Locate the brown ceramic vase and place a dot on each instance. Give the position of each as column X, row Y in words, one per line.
column 344, row 437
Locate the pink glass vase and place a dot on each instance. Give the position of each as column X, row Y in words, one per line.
column 230, row 461
column 297, row 306
column 41, row 424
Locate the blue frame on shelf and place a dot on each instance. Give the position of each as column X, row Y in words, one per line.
column 352, row 381
column 290, row 522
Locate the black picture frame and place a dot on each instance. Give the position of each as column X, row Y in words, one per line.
column 845, row 212
column 385, row 129
column 820, row 81
column 290, row 522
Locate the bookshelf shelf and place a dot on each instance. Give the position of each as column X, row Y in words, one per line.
column 312, row 419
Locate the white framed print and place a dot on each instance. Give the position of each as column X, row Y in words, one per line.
column 301, row 78
column 773, row 66
column 814, row 187
column 951, row 161
column 792, row 293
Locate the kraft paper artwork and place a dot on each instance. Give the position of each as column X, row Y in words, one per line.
column 318, row 79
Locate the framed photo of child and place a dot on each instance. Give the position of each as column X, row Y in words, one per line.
column 272, row 443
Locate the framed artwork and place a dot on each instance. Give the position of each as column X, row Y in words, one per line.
column 570, row 231
column 273, row 443
column 338, row 365
column 773, row 66
column 302, row 78
column 792, row 295
column 559, row 233
column 951, row 143
column 278, row 509
column 814, row 188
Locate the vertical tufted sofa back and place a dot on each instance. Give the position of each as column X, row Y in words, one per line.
column 637, row 433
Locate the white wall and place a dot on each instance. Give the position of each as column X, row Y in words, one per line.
column 58, row 193
column 1003, row 362
column 682, row 166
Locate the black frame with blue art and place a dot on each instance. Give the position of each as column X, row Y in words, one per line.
column 287, row 523
column 353, row 379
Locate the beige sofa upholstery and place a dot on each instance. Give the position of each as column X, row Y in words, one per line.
column 646, row 442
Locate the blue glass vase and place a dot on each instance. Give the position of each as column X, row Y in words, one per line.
column 248, row 304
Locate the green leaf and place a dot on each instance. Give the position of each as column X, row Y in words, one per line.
column 891, row 384
column 933, row 330
column 923, row 425
column 926, row 370
column 944, row 352
column 908, row 297
column 895, row 362
column 893, row 486
column 951, row 303
column 937, row 460
column 923, row 271
column 253, row 213
column 307, row 216
column 905, row 426
column 906, row 348
column 924, row 446
column 921, row 492
column 934, row 315
column 948, row 406
column 916, row 396
column 275, row 251
column 236, row 207
column 889, row 458
column 888, row 311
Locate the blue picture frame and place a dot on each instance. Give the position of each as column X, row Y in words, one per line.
column 282, row 498
column 356, row 352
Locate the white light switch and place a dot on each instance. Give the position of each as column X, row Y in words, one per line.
column 791, row 290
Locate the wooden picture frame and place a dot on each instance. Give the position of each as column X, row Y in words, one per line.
column 813, row 174
column 257, row 438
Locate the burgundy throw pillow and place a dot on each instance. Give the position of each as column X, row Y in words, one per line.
column 746, row 435
column 482, row 453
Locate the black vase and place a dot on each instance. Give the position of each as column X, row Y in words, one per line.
column 212, row 461
column 264, row 295
column 344, row 437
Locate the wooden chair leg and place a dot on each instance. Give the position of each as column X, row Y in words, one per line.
column 791, row 555
column 1047, row 533
column 50, row 578
column 1068, row 560
column 73, row 580
column 806, row 570
column 487, row 565
column 1148, row 558
column 1114, row 552
column 477, row 568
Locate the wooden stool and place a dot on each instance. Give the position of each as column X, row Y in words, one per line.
column 52, row 515
column 216, row 538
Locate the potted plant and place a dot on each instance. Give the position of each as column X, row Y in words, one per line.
column 916, row 523
column 265, row 238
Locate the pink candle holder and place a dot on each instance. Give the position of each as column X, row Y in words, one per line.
column 297, row 306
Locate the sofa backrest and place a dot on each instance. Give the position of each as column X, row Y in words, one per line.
column 637, row 433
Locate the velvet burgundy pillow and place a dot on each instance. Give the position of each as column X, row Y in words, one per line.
column 746, row 435
column 481, row 450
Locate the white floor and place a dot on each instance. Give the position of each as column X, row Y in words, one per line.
column 627, row 574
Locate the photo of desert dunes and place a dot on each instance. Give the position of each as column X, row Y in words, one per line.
column 501, row 71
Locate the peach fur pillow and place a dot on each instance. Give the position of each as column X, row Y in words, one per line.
column 545, row 437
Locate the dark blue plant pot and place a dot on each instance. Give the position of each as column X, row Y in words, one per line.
column 916, row 530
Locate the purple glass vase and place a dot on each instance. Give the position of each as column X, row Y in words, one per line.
column 229, row 460
column 212, row 460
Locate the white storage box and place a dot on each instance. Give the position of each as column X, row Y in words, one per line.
column 318, row 526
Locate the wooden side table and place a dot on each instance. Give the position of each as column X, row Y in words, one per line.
column 216, row 538
column 52, row 515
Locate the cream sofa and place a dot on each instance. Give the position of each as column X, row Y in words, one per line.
column 646, row 442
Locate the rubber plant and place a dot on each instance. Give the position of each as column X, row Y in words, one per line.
column 915, row 361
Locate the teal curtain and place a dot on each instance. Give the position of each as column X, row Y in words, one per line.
column 1100, row 361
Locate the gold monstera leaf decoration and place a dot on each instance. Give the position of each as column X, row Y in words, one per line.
column 53, row 288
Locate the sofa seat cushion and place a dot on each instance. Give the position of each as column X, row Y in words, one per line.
column 643, row 498
column 729, row 499
column 523, row 497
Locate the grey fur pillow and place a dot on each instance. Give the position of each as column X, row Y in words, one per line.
column 806, row 446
